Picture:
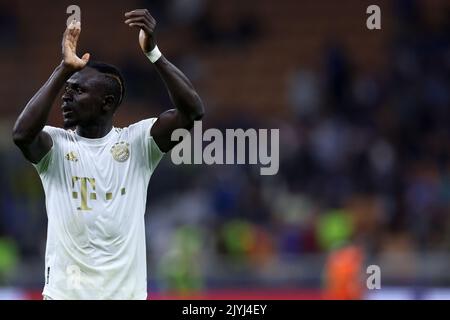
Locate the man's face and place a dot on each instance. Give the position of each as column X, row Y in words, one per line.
column 83, row 98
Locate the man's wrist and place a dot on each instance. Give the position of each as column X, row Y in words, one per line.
column 65, row 68
column 154, row 55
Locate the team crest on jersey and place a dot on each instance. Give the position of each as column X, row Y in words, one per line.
column 120, row 151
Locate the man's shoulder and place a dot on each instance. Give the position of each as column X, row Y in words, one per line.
column 59, row 134
column 140, row 127
column 57, row 131
column 143, row 123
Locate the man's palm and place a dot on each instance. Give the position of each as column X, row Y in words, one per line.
column 70, row 41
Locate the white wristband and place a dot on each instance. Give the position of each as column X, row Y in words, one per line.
column 154, row 55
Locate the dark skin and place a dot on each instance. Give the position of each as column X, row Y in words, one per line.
column 87, row 104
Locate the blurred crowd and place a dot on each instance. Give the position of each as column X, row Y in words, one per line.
column 364, row 160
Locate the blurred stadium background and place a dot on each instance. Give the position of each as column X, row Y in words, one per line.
column 364, row 123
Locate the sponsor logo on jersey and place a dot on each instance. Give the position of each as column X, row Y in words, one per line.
column 71, row 156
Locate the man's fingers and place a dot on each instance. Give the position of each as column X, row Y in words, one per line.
column 140, row 19
column 74, row 33
column 140, row 13
column 71, row 36
column 141, row 25
column 147, row 17
column 86, row 57
column 136, row 19
column 68, row 39
column 137, row 24
column 136, row 12
column 71, row 24
column 72, row 29
column 69, row 28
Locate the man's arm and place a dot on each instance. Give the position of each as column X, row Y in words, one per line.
column 187, row 102
column 27, row 133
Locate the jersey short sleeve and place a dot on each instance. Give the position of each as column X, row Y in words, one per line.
column 152, row 153
column 47, row 161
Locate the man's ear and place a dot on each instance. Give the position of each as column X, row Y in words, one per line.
column 109, row 102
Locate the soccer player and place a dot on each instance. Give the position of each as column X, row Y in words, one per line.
column 95, row 177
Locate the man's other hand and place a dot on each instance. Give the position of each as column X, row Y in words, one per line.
column 142, row 19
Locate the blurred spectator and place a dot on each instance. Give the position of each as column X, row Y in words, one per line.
column 226, row 26
column 8, row 260
column 305, row 93
column 343, row 272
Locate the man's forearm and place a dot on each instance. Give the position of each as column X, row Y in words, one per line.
column 34, row 117
column 181, row 91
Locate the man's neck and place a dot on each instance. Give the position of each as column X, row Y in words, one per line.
column 94, row 131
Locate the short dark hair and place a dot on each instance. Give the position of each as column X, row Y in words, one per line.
column 113, row 76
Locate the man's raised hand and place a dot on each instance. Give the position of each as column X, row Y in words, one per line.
column 142, row 19
column 69, row 47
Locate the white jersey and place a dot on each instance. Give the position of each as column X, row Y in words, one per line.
column 96, row 191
